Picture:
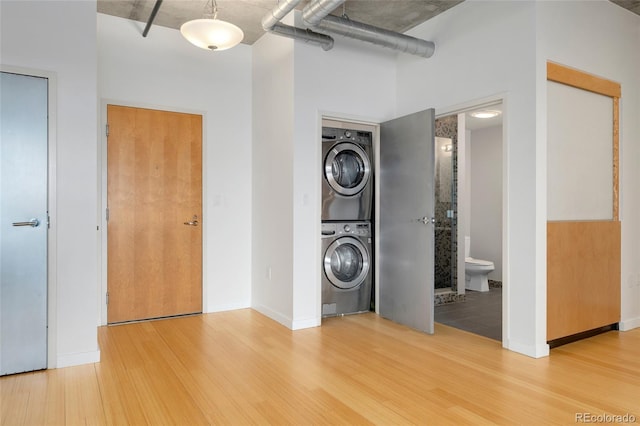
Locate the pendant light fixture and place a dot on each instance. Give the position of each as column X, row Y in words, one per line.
column 210, row 33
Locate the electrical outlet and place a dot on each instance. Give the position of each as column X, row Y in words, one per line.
column 268, row 275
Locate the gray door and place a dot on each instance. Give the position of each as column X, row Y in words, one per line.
column 23, row 223
column 406, row 231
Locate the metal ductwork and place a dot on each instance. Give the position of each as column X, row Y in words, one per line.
column 271, row 23
column 316, row 15
column 316, row 10
column 377, row 36
column 305, row 35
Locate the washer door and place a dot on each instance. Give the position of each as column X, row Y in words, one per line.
column 346, row 263
column 347, row 168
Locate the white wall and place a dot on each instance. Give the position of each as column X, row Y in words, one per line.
column 272, row 220
column 164, row 71
column 487, row 49
column 602, row 39
column 486, row 196
column 354, row 81
column 294, row 85
column 60, row 37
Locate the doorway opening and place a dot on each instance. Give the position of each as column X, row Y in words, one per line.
column 469, row 223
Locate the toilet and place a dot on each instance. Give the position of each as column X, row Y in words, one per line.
column 476, row 271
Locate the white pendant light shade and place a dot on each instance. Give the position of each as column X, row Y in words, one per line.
column 212, row 34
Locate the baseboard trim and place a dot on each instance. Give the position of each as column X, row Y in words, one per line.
column 276, row 316
column 629, row 324
column 78, row 358
column 227, row 307
column 537, row 351
column 306, row 323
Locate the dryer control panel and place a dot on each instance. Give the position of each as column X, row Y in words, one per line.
column 333, row 229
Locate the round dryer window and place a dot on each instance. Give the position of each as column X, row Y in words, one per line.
column 347, row 168
column 346, row 263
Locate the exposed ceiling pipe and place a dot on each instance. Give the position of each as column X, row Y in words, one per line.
column 315, row 15
column 152, row 17
column 305, row 35
column 316, row 10
column 271, row 23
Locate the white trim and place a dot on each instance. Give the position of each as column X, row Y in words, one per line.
column 102, row 198
column 463, row 208
column 276, row 316
column 471, row 105
column 78, row 358
column 629, row 324
column 301, row 324
column 52, row 238
column 537, row 351
column 226, row 307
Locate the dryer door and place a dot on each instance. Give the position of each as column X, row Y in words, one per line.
column 346, row 263
column 347, row 168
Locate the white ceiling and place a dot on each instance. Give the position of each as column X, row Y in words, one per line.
column 473, row 123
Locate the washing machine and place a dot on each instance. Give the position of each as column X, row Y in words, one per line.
column 347, row 183
column 347, row 268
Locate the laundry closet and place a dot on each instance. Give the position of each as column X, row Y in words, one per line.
column 347, row 213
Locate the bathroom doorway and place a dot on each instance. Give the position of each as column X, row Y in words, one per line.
column 469, row 200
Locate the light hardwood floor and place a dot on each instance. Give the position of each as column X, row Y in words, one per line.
column 241, row 368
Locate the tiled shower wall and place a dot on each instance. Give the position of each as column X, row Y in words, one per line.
column 446, row 198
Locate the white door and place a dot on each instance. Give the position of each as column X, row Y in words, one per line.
column 23, row 223
column 406, row 246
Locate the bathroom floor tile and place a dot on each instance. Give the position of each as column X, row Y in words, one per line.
column 480, row 313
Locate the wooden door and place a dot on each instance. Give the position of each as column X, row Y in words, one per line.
column 583, row 228
column 154, row 196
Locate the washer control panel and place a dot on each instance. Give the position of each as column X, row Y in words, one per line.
column 334, row 229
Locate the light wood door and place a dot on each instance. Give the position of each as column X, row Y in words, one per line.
column 583, row 228
column 154, row 186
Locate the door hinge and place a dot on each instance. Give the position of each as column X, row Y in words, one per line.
column 107, row 298
column 107, row 130
column 107, row 214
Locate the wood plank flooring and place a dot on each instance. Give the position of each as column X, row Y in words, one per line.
column 240, row 368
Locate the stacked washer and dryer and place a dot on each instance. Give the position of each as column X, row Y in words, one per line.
column 347, row 205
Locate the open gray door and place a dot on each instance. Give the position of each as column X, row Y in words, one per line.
column 406, row 235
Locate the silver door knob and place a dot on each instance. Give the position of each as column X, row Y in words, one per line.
column 192, row 222
column 426, row 220
column 32, row 223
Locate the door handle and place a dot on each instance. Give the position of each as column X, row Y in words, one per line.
column 427, row 220
column 32, row 223
column 192, row 222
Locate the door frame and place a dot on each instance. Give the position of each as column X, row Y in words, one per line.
column 356, row 123
column 102, row 197
column 52, row 287
column 469, row 106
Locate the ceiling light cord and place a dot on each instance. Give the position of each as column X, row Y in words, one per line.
column 211, row 10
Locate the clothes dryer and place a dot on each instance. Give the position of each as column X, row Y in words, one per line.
column 347, row 268
column 347, row 181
